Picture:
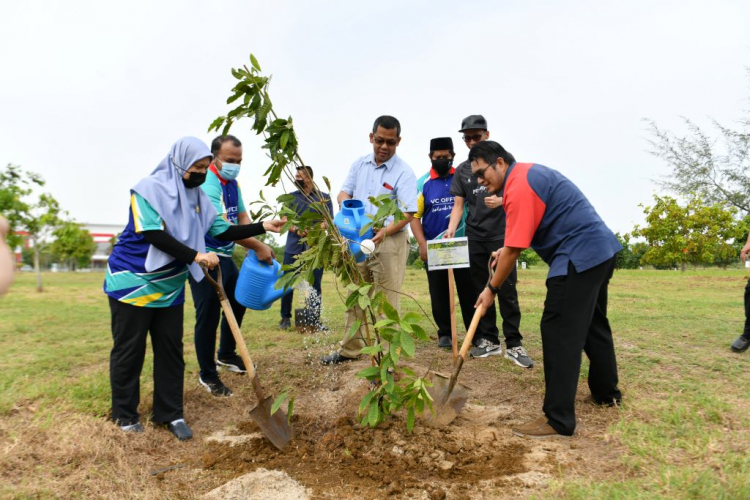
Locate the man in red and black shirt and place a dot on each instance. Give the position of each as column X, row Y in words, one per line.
column 547, row 212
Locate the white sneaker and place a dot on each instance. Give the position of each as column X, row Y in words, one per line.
column 485, row 348
column 518, row 356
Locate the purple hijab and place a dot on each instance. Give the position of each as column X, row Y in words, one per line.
column 187, row 213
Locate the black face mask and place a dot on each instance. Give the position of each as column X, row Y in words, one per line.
column 194, row 180
column 300, row 184
column 442, row 166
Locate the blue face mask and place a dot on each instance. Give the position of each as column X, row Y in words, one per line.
column 230, row 171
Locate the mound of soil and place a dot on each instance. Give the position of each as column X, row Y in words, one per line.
column 368, row 463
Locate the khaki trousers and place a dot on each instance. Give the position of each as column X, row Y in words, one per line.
column 385, row 269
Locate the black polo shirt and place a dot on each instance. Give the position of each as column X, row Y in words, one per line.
column 482, row 223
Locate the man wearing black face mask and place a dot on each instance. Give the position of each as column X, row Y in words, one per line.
column 303, row 197
column 434, row 207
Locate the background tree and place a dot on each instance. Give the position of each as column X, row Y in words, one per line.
column 715, row 169
column 630, row 255
column 38, row 218
column 73, row 245
column 695, row 234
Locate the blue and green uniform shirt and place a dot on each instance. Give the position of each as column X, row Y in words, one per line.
column 127, row 279
column 434, row 206
column 226, row 197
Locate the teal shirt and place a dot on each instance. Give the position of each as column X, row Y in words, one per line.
column 127, row 280
column 226, row 197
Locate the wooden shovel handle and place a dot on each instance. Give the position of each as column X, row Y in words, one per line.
column 236, row 333
column 452, row 301
column 472, row 328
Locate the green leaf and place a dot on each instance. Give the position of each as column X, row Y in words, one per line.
column 410, row 419
column 407, row 344
column 364, row 301
column 254, row 62
column 420, row 333
column 355, row 327
column 371, row 350
column 370, row 371
column 390, row 312
column 413, row 317
column 328, row 183
column 351, row 300
column 374, row 414
column 365, row 402
column 278, row 402
column 216, row 123
column 234, row 97
column 383, row 323
column 284, row 139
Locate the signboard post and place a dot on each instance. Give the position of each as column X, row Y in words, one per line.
column 450, row 253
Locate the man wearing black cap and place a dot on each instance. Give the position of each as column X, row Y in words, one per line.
column 434, row 206
column 485, row 228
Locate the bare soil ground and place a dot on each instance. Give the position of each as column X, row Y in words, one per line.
column 477, row 456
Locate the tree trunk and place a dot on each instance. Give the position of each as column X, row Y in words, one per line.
column 37, row 268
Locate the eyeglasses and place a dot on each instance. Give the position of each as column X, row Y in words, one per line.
column 380, row 141
column 479, row 174
column 473, row 137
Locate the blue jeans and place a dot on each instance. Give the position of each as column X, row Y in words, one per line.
column 286, row 300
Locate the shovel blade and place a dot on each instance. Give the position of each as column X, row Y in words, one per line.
column 275, row 427
column 445, row 413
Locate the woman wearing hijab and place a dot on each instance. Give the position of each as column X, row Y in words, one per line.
column 145, row 281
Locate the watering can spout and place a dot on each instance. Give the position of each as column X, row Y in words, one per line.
column 350, row 220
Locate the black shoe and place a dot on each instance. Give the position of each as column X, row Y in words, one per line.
column 445, row 342
column 741, row 344
column 285, row 324
column 233, row 364
column 610, row 404
column 334, row 359
column 135, row 428
column 180, row 429
column 215, row 387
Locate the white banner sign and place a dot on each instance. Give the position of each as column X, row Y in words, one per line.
column 451, row 253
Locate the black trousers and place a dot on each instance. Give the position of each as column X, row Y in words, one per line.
column 575, row 320
column 312, row 304
column 439, row 297
column 479, row 254
column 130, row 326
column 207, row 315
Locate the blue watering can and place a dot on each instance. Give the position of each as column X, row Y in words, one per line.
column 349, row 221
column 256, row 283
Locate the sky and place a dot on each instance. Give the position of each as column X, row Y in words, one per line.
column 93, row 94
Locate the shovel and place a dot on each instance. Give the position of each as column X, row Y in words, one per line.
column 275, row 427
column 448, row 398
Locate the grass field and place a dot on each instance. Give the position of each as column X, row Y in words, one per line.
column 683, row 432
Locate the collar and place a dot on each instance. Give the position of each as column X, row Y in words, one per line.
column 215, row 170
column 507, row 174
column 434, row 175
column 388, row 164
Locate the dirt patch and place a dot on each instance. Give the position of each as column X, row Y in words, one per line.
column 260, row 485
column 370, row 461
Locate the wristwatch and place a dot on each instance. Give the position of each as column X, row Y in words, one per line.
column 493, row 289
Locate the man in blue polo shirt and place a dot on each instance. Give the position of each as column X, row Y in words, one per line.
column 380, row 172
column 225, row 194
column 434, row 206
column 547, row 212
column 305, row 195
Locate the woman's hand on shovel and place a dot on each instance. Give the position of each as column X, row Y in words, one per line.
column 208, row 259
